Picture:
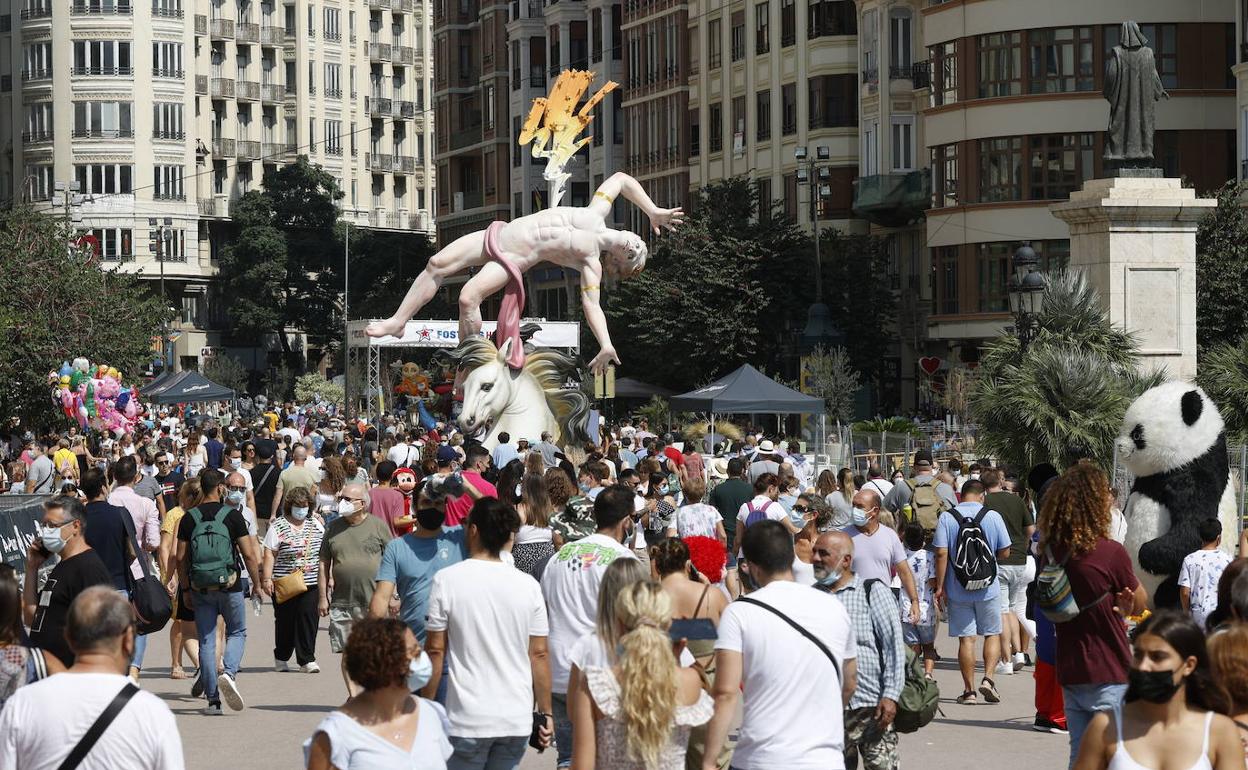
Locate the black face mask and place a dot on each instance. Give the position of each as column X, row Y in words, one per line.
column 1151, row 686
column 430, row 518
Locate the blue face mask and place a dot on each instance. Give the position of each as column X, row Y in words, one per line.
column 235, row 498
column 859, row 518
column 419, row 672
column 299, row 513
column 829, row 580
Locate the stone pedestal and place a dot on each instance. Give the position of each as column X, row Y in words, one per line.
column 1135, row 239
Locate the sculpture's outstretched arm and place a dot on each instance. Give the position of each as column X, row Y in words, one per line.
column 622, row 184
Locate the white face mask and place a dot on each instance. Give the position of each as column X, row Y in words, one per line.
column 236, row 463
column 346, row 507
column 299, row 513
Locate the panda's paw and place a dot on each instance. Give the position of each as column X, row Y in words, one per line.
column 1162, row 556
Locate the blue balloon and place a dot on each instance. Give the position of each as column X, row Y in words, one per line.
column 123, row 399
column 66, row 369
column 426, row 420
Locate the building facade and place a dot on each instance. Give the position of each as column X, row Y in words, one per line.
column 1005, row 102
column 164, row 112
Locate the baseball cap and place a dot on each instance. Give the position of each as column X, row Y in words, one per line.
column 446, row 454
column 922, row 456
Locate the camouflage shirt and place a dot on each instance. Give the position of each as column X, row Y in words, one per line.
column 576, row 520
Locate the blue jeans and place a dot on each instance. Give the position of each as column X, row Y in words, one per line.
column 1082, row 703
column 563, row 730
column 487, row 753
column 230, row 606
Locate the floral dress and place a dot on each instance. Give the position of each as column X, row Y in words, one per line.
column 612, row 733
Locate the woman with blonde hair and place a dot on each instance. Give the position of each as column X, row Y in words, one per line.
column 643, row 706
column 825, row 484
column 1228, row 659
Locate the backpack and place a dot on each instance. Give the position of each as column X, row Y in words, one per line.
column 1054, row 596
column 926, row 504
column 211, row 552
column 920, row 697
column 754, row 515
column 974, row 562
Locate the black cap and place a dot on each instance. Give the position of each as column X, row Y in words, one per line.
column 922, row 456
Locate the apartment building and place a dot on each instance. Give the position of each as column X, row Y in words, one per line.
column 991, row 111
column 164, row 111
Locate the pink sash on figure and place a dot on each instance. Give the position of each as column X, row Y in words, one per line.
column 513, row 299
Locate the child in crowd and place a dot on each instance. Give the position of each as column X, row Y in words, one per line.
column 921, row 637
column 1201, row 570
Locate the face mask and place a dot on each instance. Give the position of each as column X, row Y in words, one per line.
column 584, row 488
column 830, row 579
column 346, row 507
column 1151, row 686
column 51, row 539
column 430, row 518
column 859, row 518
column 234, row 497
column 236, row 462
column 299, row 513
column 517, row 490
column 419, row 672
column 663, row 490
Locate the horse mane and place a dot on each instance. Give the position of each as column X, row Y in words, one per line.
column 551, row 369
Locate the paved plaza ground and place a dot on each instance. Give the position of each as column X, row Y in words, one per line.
column 283, row 709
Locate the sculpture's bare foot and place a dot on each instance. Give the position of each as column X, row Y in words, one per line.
column 392, row 327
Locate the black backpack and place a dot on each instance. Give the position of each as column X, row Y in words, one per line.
column 974, row 561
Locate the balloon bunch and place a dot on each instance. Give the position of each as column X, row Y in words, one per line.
column 94, row 396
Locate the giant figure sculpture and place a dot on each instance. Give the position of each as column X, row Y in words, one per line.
column 1133, row 88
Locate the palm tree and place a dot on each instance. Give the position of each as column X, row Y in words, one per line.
column 1224, row 376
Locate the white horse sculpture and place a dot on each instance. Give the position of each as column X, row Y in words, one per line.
column 523, row 403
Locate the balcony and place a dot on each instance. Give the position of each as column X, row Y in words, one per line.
column 404, row 164
column 893, row 200
column 162, row 12
column 272, row 36
column 220, row 29
column 248, row 91
column 217, row 206
column 201, row 85
column 404, row 54
column 38, row 12
column 921, row 74
column 167, row 72
column 223, row 148
column 101, row 9
column 378, row 107
column 37, row 137
column 407, row 110
column 272, row 93
column 378, row 5
column 102, row 133
column 248, row 150
column 170, row 136
column 291, row 96
column 246, row 32
column 272, row 151
column 221, row 88
column 333, row 93
column 379, row 52
column 409, row 6
column 379, row 162
column 201, row 24
column 102, row 71
column 39, row 74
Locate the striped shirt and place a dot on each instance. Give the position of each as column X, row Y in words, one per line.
column 881, row 651
column 294, row 547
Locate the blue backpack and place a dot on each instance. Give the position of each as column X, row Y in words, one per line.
column 754, row 515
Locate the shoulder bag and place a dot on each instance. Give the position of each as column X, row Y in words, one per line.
column 101, row 723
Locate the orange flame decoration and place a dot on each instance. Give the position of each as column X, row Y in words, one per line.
column 551, row 125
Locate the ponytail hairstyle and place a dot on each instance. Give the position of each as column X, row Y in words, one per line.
column 647, row 670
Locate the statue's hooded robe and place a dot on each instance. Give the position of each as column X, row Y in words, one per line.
column 1132, row 87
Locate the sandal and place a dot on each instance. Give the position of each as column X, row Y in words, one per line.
column 178, row 673
column 967, row 698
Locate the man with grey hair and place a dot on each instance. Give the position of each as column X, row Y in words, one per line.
column 45, row 724
column 350, row 555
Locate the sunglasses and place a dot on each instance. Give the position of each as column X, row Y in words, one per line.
column 236, row 489
column 800, row 509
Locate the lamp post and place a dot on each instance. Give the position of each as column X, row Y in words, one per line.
column 816, row 173
column 1026, row 293
column 158, row 248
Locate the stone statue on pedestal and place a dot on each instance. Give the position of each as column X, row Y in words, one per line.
column 1133, row 88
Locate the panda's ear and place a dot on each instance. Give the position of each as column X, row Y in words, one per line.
column 1192, row 406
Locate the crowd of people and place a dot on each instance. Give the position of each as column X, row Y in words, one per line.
column 616, row 603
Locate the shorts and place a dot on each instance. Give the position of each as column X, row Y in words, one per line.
column 981, row 618
column 340, row 621
column 1013, row 581
column 913, row 634
column 180, row 609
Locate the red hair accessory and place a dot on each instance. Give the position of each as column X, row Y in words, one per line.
column 708, row 557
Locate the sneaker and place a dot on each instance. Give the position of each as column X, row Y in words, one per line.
column 967, row 698
column 197, row 685
column 1042, row 725
column 1020, row 661
column 988, row 689
column 229, row 692
column 211, row 710
column 281, row 666
column 1004, row 668
column 310, row 668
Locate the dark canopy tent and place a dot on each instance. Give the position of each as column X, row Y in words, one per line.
column 627, row 387
column 157, row 384
column 746, row 391
column 185, row 387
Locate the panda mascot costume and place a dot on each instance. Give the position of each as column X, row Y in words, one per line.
column 1173, row 442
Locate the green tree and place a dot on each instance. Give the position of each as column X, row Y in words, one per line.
column 858, row 291
column 226, row 370
column 1222, row 271
column 1224, row 376
column 831, row 377
column 383, row 266
column 307, row 386
column 1062, row 399
column 56, row 303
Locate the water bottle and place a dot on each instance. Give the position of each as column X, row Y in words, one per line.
column 256, row 603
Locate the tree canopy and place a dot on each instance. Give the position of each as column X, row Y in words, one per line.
column 1222, row 271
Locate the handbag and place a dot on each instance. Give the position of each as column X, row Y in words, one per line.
column 149, row 598
column 289, row 586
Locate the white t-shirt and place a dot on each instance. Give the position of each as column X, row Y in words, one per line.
column 570, row 586
column 292, row 434
column 402, row 454
column 489, row 611
column 882, row 486
column 774, row 510
column 788, row 723
column 43, row 722
column 923, row 567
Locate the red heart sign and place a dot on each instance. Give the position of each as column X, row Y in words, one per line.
column 930, row 365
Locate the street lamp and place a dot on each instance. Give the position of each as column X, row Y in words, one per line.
column 159, row 247
column 810, row 171
column 1026, row 293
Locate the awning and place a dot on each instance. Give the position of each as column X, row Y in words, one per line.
column 746, row 391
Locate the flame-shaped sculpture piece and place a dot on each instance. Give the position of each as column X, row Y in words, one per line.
column 553, row 128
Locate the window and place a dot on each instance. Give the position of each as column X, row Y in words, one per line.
column 945, row 267
column 765, row 202
column 99, row 178
column 762, row 115
column 790, row 197
column 788, row 23
column 333, row 80
column 944, row 58
column 1163, row 39
column 102, row 57
column 945, row 175
column 899, row 42
column 595, row 34
column 168, row 8
column 695, row 134
column 903, row 143
column 1059, row 164
column 311, row 77
column 38, row 122
column 1060, row 60
column 712, row 44
column 715, row 128
column 617, row 19
column 692, row 47
column 1000, row 64
column 869, row 44
column 993, row 265
column 738, row 123
column 311, row 20
column 333, row 137
column 617, row 116
column 38, row 61
column 38, row 184
column 106, row 120
column 762, row 30
column 167, row 120
column 167, row 183
column 487, row 101
column 517, row 153
column 788, row 109
column 1001, row 169
column 115, row 243
column 738, row 35
column 832, row 101
column 831, row 18
column 167, row 60
column 870, row 148
column 332, row 28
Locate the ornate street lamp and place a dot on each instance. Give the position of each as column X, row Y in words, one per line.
column 1026, row 293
